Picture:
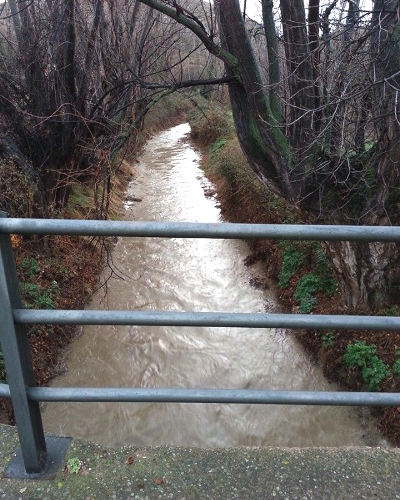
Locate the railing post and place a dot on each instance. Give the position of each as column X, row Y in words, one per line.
column 18, row 364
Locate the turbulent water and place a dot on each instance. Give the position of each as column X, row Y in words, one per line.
column 191, row 275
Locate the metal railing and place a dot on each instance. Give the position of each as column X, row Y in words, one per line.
column 25, row 396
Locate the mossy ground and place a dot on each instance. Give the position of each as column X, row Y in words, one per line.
column 193, row 473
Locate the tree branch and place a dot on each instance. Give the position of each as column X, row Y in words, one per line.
column 207, row 40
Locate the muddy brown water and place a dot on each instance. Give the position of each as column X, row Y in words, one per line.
column 191, row 275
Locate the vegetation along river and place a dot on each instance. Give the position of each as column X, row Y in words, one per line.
column 191, row 275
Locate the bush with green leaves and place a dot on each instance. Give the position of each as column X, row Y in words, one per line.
column 292, row 258
column 311, row 283
column 307, row 286
column 373, row 370
column 319, row 279
column 396, row 367
column 392, row 311
column 35, row 297
column 396, row 364
column 328, row 339
column 29, row 267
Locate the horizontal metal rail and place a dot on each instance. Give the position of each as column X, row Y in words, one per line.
column 200, row 230
column 214, row 319
column 26, row 398
column 232, row 396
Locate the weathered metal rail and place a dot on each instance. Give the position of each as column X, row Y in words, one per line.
column 37, row 457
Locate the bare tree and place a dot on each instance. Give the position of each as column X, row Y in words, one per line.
column 77, row 78
column 323, row 131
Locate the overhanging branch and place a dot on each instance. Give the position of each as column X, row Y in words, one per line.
column 188, row 83
column 181, row 18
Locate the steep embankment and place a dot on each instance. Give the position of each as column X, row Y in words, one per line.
column 62, row 272
column 357, row 360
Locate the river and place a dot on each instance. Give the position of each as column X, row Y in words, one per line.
column 191, row 275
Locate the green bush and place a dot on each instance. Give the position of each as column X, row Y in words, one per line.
column 307, row 286
column 29, row 267
column 320, row 280
column 328, row 339
column 396, row 364
column 30, row 291
column 34, row 297
column 373, row 369
column 292, row 259
column 392, row 311
column 396, row 367
column 306, row 305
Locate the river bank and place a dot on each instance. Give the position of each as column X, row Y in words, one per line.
column 242, row 199
column 183, row 275
column 63, row 272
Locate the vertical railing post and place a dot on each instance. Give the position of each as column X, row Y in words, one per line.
column 18, row 364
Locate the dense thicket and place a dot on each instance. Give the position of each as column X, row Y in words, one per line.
column 77, row 78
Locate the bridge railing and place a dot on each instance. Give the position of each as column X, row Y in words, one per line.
column 34, row 455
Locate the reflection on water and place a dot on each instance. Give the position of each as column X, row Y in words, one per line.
column 191, row 275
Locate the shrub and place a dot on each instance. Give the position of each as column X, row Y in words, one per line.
column 29, row 267
column 396, row 367
column 306, row 305
column 29, row 291
column 373, row 369
column 292, row 259
column 34, row 296
column 392, row 311
column 320, row 280
column 210, row 124
column 307, row 286
column 328, row 339
column 396, row 364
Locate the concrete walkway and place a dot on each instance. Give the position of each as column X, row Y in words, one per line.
column 184, row 473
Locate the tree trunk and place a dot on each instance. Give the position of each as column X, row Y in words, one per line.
column 260, row 135
column 300, row 72
column 273, row 57
column 365, row 272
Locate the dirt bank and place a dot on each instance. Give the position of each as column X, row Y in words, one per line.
column 242, row 200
